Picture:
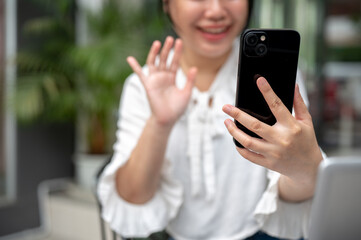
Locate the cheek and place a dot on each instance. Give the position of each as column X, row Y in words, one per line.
column 181, row 19
column 182, row 28
column 183, row 11
column 240, row 14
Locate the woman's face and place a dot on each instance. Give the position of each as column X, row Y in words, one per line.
column 208, row 27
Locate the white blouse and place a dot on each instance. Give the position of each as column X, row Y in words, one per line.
column 207, row 190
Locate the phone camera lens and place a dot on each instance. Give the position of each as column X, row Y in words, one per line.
column 261, row 49
column 251, row 39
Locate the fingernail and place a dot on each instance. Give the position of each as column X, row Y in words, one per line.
column 227, row 122
column 178, row 41
column 227, row 108
column 156, row 42
column 261, row 81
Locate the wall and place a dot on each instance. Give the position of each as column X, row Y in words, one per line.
column 44, row 151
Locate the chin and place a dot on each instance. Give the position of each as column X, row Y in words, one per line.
column 215, row 51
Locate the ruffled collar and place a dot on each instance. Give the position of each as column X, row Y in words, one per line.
column 201, row 117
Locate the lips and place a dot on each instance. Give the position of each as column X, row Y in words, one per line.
column 214, row 30
column 214, row 33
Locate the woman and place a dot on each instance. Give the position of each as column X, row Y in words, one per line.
column 175, row 167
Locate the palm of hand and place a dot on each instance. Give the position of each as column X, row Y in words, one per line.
column 166, row 100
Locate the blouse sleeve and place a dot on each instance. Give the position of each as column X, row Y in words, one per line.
column 279, row 218
column 127, row 219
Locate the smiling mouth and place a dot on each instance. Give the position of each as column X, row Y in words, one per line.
column 214, row 30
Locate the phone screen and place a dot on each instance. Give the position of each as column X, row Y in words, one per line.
column 272, row 54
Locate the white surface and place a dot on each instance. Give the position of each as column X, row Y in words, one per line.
column 336, row 211
column 86, row 168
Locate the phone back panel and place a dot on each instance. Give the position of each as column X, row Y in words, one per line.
column 272, row 54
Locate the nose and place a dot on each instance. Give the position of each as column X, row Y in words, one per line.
column 215, row 10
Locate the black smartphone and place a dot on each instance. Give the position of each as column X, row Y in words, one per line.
column 273, row 54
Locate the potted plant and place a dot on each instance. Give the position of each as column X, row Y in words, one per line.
column 64, row 80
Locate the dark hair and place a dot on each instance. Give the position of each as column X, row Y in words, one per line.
column 250, row 8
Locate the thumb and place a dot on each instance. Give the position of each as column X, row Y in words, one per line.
column 299, row 106
column 133, row 63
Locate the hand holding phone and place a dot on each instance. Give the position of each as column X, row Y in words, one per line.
column 273, row 54
column 263, row 105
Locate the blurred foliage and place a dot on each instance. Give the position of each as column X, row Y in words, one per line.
column 58, row 78
column 44, row 72
column 344, row 53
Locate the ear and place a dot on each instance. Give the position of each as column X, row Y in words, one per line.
column 166, row 6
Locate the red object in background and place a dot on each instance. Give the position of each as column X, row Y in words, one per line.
column 331, row 109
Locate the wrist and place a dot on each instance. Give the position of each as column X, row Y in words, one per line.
column 307, row 171
column 310, row 177
column 160, row 125
column 293, row 191
column 302, row 186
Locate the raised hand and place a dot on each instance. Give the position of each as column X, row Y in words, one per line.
column 167, row 101
column 288, row 147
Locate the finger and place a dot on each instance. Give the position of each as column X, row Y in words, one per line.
column 136, row 67
column 153, row 52
column 177, row 54
column 191, row 76
column 255, row 144
column 164, row 52
column 275, row 104
column 299, row 106
column 254, row 157
column 251, row 123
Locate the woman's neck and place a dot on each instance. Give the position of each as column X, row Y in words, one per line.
column 207, row 67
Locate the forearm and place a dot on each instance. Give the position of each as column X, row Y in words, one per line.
column 138, row 179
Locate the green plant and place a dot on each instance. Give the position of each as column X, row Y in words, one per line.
column 61, row 80
column 45, row 84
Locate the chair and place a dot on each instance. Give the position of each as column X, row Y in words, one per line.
column 101, row 220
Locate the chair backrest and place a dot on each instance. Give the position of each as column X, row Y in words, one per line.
column 103, row 226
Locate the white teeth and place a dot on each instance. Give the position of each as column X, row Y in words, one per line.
column 214, row 30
